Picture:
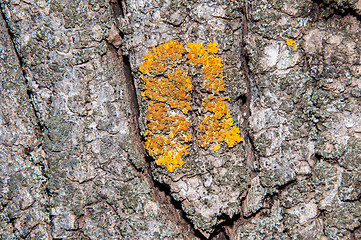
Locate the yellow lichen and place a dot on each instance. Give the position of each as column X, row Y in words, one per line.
column 211, row 65
column 160, row 58
column 168, row 88
column 217, row 125
column 167, row 133
column 291, row 43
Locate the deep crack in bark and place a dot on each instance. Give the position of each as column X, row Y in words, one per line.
column 246, row 105
column 159, row 192
column 38, row 130
column 331, row 9
column 39, row 127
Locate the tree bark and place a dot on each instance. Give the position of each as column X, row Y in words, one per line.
column 76, row 120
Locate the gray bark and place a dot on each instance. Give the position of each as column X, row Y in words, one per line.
column 73, row 121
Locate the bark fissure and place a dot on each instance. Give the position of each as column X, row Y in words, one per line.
column 29, row 92
column 159, row 192
column 246, row 104
column 38, row 130
column 11, row 221
column 162, row 193
column 330, row 9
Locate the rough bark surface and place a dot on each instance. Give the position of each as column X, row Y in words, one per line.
column 73, row 121
column 75, row 181
column 211, row 185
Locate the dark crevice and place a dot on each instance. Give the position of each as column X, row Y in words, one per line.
column 245, row 108
column 265, row 210
column 118, row 12
column 329, row 10
column 172, row 208
column 12, row 219
column 26, row 235
column 222, row 230
column 120, row 8
column 123, row 7
column 317, row 157
column 38, row 126
column 242, row 99
column 356, row 233
column 137, row 140
column 134, row 100
column 285, row 186
column 162, row 193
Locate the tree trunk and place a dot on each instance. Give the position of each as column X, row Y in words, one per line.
column 180, row 119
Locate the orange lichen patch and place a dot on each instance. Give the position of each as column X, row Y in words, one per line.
column 216, row 106
column 212, row 47
column 172, row 159
column 160, row 58
column 196, row 53
column 168, row 150
column 216, row 147
column 174, row 90
column 166, row 136
column 218, row 126
column 168, row 88
column 291, row 43
column 212, row 66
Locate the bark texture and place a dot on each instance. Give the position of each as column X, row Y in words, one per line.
column 211, row 184
column 73, row 121
column 75, row 180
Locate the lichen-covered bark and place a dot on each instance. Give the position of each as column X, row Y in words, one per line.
column 72, row 157
column 211, row 184
column 76, row 180
column 303, row 84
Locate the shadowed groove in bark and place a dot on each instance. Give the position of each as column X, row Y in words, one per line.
column 29, row 93
column 118, row 11
column 173, row 207
column 222, row 230
column 356, row 233
column 39, row 126
column 245, row 108
column 329, row 10
column 159, row 192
